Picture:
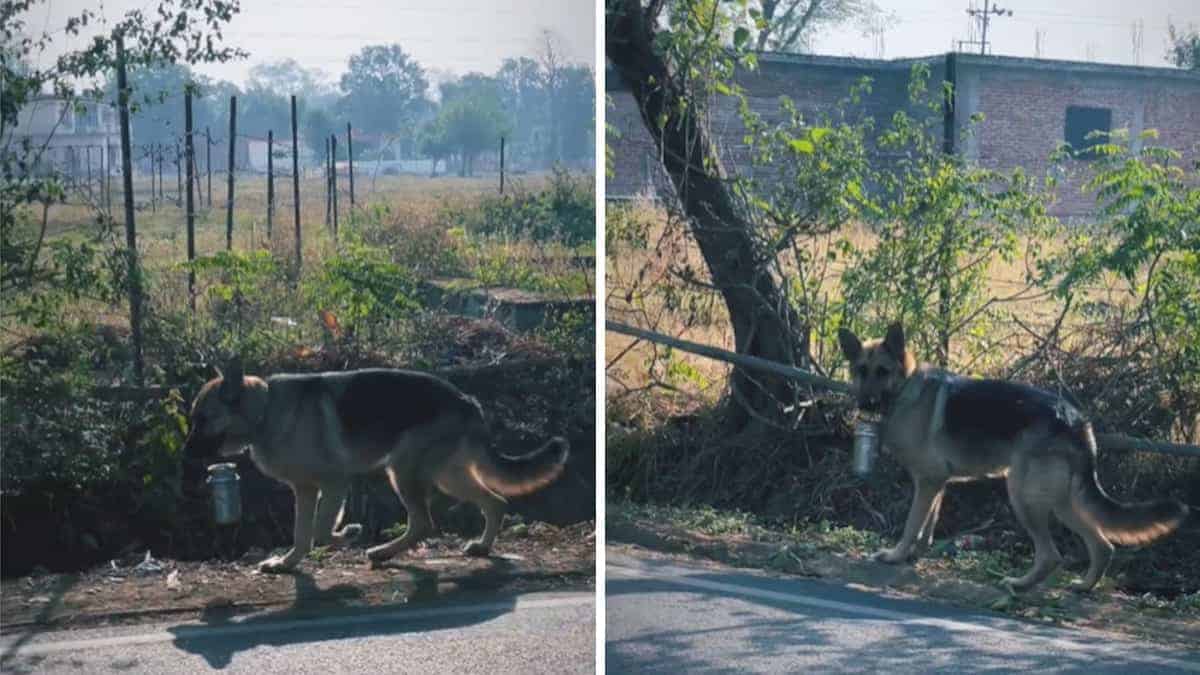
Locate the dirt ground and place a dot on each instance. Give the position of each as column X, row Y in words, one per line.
column 929, row 579
column 527, row 556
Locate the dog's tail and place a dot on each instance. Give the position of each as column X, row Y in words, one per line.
column 1129, row 524
column 514, row 476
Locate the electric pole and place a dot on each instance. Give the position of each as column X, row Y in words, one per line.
column 984, row 16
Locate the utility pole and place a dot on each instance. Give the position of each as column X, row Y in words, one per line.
column 984, row 16
column 1136, row 31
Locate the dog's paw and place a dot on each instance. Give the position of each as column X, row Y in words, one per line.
column 377, row 554
column 1015, row 584
column 890, row 556
column 1082, row 587
column 346, row 535
column 275, row 565
column 476, row 549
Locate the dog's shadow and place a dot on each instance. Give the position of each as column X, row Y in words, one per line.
column 420, row 603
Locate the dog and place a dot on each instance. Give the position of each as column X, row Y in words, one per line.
column 316, row 431
column 944, row 428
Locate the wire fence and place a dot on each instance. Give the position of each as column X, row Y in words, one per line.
column 90, row 167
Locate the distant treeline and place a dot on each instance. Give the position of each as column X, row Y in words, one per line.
column 543, row 107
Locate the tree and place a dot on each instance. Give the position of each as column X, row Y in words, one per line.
column 384, row 88
column 673, row 65
column 287, row 77
column 261, row 110
column 525, row 101
column 553, row 78
column 180, row 31
column 434, row 143
column 470, row 120
column 577, row 112
column 789, row 25
column 317, row 125
column 1183, row 46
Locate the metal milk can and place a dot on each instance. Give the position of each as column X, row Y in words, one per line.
column 226, row 495
column 866, row 447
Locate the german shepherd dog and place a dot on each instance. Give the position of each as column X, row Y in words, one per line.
column 315, row 431
column 945, row 428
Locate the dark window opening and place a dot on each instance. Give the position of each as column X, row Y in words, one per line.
column 1081, row 122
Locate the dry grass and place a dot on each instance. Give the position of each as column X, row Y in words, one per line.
column 408, row 215
column 641, row 292
column 162, row 231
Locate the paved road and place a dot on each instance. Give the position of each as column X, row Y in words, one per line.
column 530, row 633
column 664, row 616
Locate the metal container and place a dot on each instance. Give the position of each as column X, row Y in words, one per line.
column 866, row 447
column 226, row 495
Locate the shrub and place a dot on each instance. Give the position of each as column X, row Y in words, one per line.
column 564, row 211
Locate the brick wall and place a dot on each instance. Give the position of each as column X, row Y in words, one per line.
column 1023, row 101
column 1025, row 104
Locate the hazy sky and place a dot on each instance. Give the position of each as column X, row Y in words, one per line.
column 1072, row 29
column 457, row 36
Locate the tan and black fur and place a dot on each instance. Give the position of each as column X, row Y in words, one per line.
column 945, row 428
column 316, row 431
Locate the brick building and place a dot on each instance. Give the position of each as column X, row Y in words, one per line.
column 1030, row 106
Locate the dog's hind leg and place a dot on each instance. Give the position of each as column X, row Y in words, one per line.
column 1100, row 550
column 461, row 484
column 412, row 493
column 330, row 510
column 306, row 504
column 1033, row 495
column 925, row 493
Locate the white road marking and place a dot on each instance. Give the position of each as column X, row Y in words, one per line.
column 686, row 577
column 246, row 625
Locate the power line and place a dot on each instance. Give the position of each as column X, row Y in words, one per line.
column 984, row 17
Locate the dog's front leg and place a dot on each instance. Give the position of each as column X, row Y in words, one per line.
column 306, row 504
column 925, row 492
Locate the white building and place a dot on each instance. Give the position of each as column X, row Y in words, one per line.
column 256, row 152
column 74, row 135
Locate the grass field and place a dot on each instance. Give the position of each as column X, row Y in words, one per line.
column 642, row 290
column 424, row 224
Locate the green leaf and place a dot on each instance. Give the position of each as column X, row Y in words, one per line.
column 802, row 145
column 740, row 37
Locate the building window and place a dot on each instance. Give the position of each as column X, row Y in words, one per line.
column 1082, row 121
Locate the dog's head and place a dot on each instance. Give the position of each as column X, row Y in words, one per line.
column 224, row 414
column 878, row 368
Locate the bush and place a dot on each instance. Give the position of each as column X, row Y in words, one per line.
column 565, row 212
column 362, row 287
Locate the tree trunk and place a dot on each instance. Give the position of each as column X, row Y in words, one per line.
column 758, row 311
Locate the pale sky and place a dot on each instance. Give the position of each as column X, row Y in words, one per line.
column 456, row 36
column 1073, row 29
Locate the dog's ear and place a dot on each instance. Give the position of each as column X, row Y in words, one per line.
column 851, row 345
column 895, row 340
column 231, row 384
